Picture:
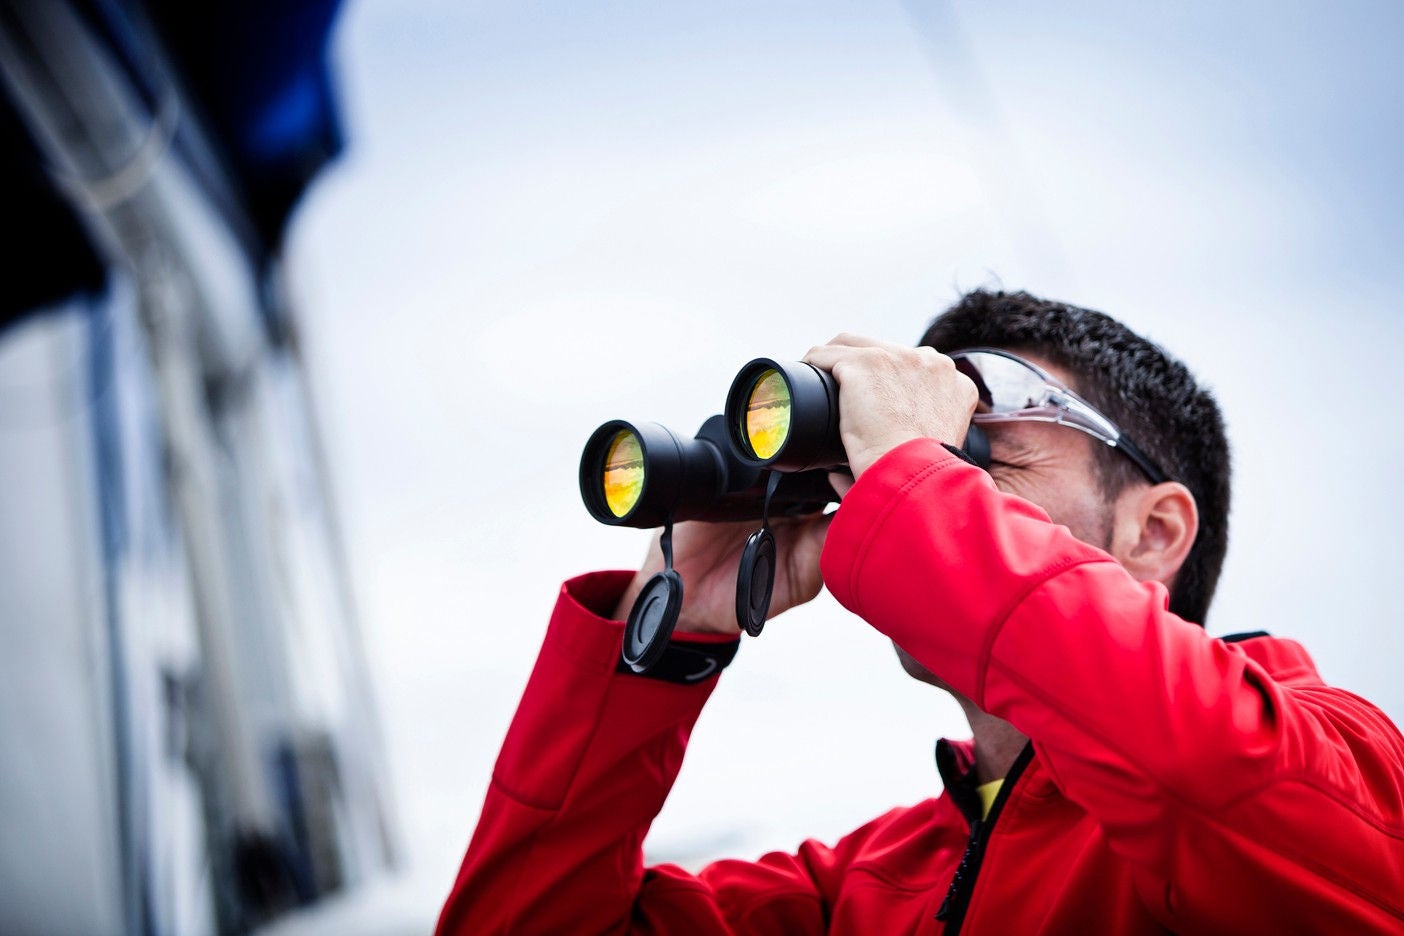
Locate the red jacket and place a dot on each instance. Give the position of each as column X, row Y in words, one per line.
column 1174, row 781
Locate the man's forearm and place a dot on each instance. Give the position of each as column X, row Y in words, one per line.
column 587, row 763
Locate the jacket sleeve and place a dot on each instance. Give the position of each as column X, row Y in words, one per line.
column 587, row 762
column 1243, row 798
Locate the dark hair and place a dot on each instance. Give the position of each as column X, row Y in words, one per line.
column 1150, row 395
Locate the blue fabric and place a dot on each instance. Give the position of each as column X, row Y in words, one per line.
column 255, row 72
column 258, row 71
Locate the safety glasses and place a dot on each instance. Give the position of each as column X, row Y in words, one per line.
column 1013, row 390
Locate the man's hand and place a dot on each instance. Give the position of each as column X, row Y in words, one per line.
column 707, row 556
column 890, row 394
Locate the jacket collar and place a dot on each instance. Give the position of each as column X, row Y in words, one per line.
column 955, row 762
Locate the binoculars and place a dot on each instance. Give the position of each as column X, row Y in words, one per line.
column 770, row 451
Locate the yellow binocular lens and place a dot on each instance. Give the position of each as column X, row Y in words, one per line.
column 783, row 416
column 767, row 416
column 623, row 473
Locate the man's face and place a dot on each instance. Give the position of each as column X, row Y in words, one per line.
column 1055, row 468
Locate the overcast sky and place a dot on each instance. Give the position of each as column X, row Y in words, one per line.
column 554, row 214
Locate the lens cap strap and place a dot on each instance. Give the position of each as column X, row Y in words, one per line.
column 655, row 612
column 755, row 579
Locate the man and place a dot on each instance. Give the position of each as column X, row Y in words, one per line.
column 1128, row 773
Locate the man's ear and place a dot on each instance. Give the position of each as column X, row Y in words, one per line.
column 1154, row 528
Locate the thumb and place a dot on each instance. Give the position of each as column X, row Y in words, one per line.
column 841, row 482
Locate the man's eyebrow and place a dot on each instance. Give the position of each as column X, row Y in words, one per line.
column 1003, row 442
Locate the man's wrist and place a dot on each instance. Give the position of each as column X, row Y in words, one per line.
column 706, row 628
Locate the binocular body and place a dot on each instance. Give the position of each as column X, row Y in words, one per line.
column 643, row 474
column 780, row 417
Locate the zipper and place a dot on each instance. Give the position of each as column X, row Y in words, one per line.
column 952, row 911
column 962, row 887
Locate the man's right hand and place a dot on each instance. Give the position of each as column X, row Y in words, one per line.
column 707, row 555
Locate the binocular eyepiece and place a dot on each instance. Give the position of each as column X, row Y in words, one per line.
column 770, row 451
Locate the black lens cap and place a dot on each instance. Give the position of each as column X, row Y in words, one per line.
column 755, row 580
column 651, row 621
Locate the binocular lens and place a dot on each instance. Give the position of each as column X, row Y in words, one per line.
column 623, row 473
column 783, row 416
column 767, row 417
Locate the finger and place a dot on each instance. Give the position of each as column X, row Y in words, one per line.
column 853, row 340
column 802, row 557
column 827, row 357
column 841, row 482
column 847, row 344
